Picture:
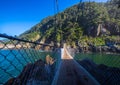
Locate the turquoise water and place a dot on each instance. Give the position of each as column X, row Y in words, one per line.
column 112, row 60
column 13, row 61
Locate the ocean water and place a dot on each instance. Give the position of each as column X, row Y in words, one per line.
column 12, row 62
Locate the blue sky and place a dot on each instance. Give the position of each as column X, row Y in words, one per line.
column 17, row 16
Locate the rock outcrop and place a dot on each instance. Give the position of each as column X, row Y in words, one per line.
column 101, row 49
column 39, row 73
column 103, row 74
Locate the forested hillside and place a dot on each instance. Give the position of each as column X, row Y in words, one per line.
column 89, row 22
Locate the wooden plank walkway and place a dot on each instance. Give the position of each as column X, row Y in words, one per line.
column 71, row 73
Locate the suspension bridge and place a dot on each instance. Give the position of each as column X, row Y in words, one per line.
column 71, row 72
column 24, row 62
column 67, row 70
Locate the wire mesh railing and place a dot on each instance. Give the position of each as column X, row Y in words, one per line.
column 17, row 54
column 104, row 67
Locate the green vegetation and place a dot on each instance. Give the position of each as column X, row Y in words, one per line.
column 95, row 41
column 33, row 36
column 79, row 23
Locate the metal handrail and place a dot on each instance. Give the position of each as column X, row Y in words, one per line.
column 14, row 38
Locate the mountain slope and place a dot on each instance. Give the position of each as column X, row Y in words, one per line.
column 77, row 22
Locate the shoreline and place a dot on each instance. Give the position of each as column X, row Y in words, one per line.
column 76, row 51
column 98, row 53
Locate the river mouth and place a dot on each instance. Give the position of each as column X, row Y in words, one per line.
column 101, row 60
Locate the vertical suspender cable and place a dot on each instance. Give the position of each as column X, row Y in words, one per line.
column 57, row 18
column 57, row 6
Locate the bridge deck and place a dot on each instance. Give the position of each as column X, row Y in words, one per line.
column 71, row 73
